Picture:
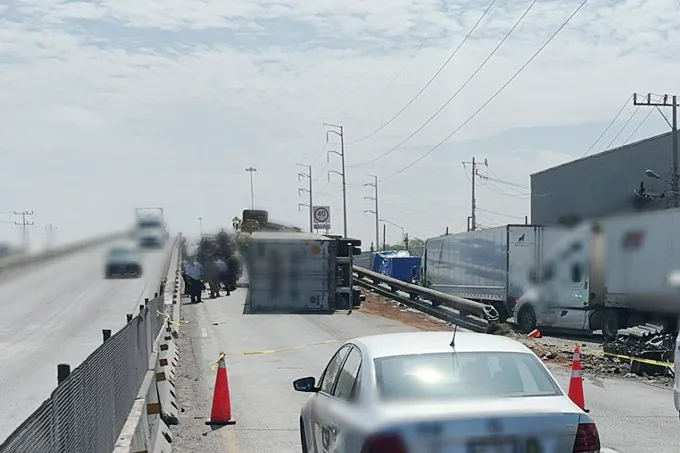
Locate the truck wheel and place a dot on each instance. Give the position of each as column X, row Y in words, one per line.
column 526, row 319
column 610, row 325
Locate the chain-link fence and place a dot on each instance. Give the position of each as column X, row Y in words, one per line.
column 87, row 410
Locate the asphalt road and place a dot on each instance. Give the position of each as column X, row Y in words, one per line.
column 632, row 417
column 54, row 313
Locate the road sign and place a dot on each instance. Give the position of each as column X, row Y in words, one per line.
column 322, row 217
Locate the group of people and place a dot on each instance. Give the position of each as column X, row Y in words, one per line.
column 214, row 272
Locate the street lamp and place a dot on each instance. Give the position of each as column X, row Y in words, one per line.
column 251, row 170
column 652, row 174
column 403, row 235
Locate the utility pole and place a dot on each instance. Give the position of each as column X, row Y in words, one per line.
column 472, row 220
column 340, row 134
column 374, row 211
column 311, row 208
column 50, row 228
column 24, row 223
column 200, row 226
column 664, row 101
column 251, row 170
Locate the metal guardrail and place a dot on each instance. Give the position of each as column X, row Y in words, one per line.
column 464, row 306
column 88, row 409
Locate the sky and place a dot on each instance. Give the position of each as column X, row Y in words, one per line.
column 109, row 105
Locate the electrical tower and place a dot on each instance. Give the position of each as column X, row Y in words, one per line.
column 340, row 134
column 49, row 230
column 374, row 211
column 472, row 220
column 664, row 101
column 309, row 190
column 24, row 224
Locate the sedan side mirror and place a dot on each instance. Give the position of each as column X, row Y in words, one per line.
column 306, row 384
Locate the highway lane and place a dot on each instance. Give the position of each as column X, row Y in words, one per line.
column 633, row 417
column 54, row 313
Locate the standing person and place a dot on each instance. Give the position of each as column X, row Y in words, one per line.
column 232, row 272
column 184, row 264
column 212, row 276
column 194, row 272
column 224, row 274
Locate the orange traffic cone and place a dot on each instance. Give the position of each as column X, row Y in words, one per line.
column 535, row 334
column 221, row 405
column 575, row 392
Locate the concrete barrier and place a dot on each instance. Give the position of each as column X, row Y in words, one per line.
column 18, row 261
column 146, row 429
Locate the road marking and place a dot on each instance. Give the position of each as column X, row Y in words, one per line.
column 608, row 450
column 204, row 332
column 273, row 351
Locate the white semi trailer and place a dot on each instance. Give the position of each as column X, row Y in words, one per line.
column 608, row 274
column 489, row 266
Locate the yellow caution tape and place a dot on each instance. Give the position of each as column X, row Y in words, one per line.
column 273, row 351
column 640, row 359
column 167, row 317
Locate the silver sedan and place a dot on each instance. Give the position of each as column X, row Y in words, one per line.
column 423, row 392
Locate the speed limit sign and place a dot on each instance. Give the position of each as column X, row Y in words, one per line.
column 322, row 217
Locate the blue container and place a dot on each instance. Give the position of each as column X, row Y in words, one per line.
column 379, row 257
column 400, row 267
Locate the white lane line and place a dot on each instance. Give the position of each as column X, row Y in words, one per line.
column 608, row 450
column 204, row 334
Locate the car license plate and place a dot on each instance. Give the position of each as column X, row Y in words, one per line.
column 493, row 446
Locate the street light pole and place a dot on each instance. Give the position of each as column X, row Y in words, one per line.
column 403, row 234
column 341, row 134
column 664, row 102
column 200, row 226
column 251, row 170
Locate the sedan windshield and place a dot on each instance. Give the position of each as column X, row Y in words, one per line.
column 467, row 375
column 122, row 254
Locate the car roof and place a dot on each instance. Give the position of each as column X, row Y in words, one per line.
column 396, row 344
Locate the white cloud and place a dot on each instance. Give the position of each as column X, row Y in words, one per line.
column 111, row 104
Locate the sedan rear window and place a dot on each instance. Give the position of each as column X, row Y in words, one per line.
column 462, row 376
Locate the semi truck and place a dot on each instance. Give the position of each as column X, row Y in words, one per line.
column 489, row 266
column 608, row 274
column 150, row 229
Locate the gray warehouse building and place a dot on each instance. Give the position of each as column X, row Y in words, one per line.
column 607, row 183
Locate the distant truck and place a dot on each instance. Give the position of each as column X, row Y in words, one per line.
column 489, row 266
column 608, row 274
column 150, row 229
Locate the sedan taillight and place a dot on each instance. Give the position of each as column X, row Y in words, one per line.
column 587, row 439
column 384, row 443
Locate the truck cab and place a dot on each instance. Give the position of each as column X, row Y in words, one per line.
column 150, row 232
column 559, row 292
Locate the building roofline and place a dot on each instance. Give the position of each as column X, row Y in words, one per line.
column 608, row 151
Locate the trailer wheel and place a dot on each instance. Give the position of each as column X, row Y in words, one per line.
column 526, row 319
column 610, row 325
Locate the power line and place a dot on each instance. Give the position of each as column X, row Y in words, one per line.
column 429, row 82
column 403, row 68
column 499, row 91
column 632, row 115
column 611, row 123
column 644, row 120
column 460, row 89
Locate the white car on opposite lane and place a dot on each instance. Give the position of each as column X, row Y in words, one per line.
column 414, row 392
